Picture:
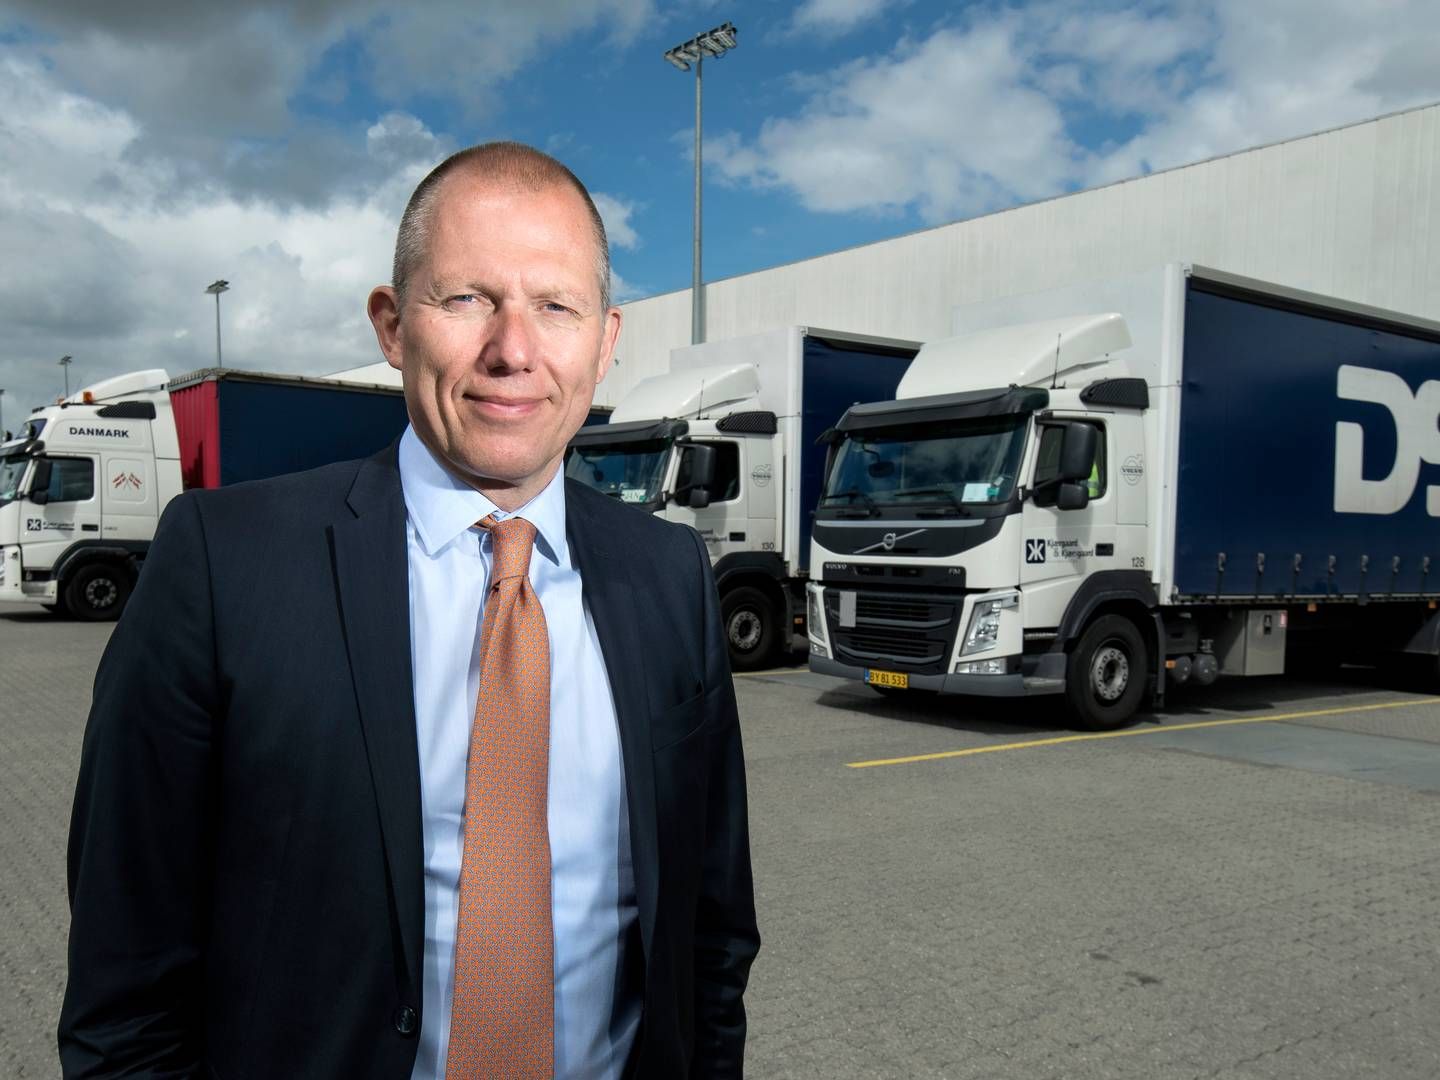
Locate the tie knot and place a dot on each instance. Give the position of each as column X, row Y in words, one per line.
column 513, row 539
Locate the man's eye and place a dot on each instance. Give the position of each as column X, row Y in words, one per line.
column 556, row 306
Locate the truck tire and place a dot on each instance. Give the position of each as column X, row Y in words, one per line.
column 1106, row 674
column 752, row 628
column 97, row 592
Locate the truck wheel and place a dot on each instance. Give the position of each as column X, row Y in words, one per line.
column 97, row 591
column 1106, row 674
column 752, row 630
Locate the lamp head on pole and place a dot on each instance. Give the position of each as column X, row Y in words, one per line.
column 215, row 288
column 712, row 44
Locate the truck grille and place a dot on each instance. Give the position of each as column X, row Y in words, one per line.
column 911, row 631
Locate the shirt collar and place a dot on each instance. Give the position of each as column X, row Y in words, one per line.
column 442, row 508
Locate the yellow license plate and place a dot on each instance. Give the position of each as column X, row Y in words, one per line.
column 888, row 678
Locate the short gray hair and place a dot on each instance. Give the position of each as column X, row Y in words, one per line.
column 511, row 163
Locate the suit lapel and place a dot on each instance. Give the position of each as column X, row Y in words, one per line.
column 610, row 597
column 372, row 578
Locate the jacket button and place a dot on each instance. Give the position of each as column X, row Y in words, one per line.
column 406, row 1021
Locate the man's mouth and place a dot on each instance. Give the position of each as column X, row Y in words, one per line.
column 501, row 406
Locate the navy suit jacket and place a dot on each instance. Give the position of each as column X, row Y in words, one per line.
column 245, row 860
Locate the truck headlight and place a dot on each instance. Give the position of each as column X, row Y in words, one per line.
column 815, row 622
column 985, row 623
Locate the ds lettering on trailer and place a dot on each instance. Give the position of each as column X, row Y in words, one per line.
column 1417, row 439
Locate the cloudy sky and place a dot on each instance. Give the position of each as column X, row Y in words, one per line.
column 149, row 147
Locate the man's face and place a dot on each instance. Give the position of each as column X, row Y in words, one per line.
column 502, row 339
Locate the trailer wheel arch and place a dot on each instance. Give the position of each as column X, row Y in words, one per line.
column 1107, row 588
column 1138, row 613
column 121, row 557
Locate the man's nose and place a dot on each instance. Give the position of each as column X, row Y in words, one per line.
column 510, row 343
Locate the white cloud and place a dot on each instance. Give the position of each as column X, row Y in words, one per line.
column 147, row 149
column 1010, row 105
column 616, row 212
column 943, row 125
column 114, row 274
column 835, row 17
column 1284, row 68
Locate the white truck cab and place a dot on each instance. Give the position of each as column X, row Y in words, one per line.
column 727, row 443
column 81, row 490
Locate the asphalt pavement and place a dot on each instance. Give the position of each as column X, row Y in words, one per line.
column 1245, row 886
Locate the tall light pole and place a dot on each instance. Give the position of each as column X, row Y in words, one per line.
column 714, row 44
column 65, row 363
column 215, row 288
column 2, row 414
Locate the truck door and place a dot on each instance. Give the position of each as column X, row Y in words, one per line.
column 1063, row 547
column 722, row 524
column 70, row 512
column 128, row 500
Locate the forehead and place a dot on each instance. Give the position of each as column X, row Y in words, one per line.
column 477, row 218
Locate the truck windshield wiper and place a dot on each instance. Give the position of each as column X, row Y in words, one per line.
column 960, row 507
column 852, row 494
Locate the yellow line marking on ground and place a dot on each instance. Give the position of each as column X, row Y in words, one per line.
column 1092, row 737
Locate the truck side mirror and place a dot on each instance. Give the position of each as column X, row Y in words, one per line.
column 40, row 482
column 702, row 465
column 697, row 469
column 1077, row 451
column 1072, row 497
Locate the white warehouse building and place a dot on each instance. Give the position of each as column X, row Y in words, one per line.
column 1352, row 213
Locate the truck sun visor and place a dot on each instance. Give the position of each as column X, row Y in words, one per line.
column 637, row 431
column 1119, row 393
column 926, row 410
column 748, row 423
column 128, row 410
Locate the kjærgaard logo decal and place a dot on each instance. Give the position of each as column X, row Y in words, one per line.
column 1034, row 551
column 1417, row 439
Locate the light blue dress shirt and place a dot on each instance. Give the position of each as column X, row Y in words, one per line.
column 592, row 878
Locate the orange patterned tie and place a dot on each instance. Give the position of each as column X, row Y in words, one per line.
column 502, row 1021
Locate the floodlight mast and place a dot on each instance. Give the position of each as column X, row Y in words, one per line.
column 713, row 44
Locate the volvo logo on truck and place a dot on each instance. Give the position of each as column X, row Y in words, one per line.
column 1417, row 439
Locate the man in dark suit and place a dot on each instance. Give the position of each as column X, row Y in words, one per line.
column 300, row 848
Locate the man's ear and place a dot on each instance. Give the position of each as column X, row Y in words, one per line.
column 383, row 307
column 608, row 341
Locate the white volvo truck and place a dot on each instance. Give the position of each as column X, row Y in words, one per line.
column 727, row 442
column 1172, row 476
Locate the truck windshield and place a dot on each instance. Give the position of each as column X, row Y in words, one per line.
column 945, row 467
column 631, row 472
column 11, row 470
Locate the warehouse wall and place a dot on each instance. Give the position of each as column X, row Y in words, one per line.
column 1353, row 213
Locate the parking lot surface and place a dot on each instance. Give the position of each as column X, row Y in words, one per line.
column 1245, row 886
